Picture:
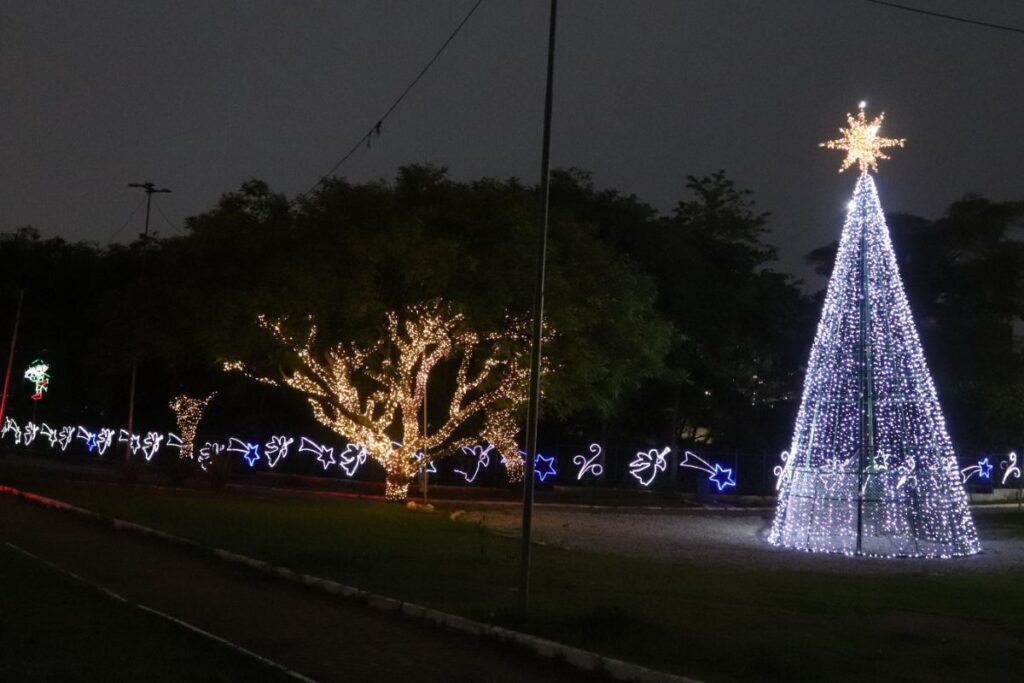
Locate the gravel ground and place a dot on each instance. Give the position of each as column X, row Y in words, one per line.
column 723, row 537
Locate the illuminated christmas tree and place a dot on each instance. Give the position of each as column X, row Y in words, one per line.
column 871, row 469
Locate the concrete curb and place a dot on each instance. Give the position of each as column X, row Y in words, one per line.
column 549, row 649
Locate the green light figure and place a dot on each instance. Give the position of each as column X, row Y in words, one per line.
column 37, row 372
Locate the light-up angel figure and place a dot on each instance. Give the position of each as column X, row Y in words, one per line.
column 481, row 458
column 647, row 464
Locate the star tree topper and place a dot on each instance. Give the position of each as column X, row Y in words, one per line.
column 861, row 142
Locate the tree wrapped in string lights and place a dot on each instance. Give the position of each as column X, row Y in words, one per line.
column 871, row 469
column 374, row 396
column 188, row 411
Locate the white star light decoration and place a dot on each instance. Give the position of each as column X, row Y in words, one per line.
column 861, row 143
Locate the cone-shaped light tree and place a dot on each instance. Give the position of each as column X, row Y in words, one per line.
column 871, row 469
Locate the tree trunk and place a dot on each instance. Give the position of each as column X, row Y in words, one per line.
column 396, row 485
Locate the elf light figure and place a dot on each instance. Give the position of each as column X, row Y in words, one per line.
column 38, row 372
column 871, row 469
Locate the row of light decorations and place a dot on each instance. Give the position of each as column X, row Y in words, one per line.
column 644, row 467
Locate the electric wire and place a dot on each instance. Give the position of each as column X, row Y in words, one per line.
column 130, row 217
column 167, row 220
column 950, row 17
column 375, row 128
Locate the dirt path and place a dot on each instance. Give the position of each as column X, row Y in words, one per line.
column 733, row 537
column 314, row 634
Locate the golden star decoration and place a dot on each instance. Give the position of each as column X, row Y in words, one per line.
column 861, row 143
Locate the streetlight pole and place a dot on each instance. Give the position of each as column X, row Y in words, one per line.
column 533, row 406
column 150, row 190
column 10, row 355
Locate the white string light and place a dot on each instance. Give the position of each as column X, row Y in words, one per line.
column 350, row 459
column 591, row 464
column 647, row 464
column 718, row 475
column 104, row 437
column 865, row 399
column 481, row 459
column 276, row 449
column 249, row 451
column 30, row 433
column 151, row 444
column 324, row 454
column 208, row 453
column 1011, row 468
column 369, row 395
column 49, row 433
column 188, row 411
column 65, row 436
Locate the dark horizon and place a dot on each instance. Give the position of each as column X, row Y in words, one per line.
column 203, row 98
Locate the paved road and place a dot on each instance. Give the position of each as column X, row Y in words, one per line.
column 314, row 634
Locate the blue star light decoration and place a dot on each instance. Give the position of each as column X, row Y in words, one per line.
column 544, row 467
column 722, row 477
column 984, row 468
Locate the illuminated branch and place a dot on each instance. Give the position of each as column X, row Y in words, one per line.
column 374, row 396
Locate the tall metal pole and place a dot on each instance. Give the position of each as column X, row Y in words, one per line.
column 867, row 450
column 150, row 190
column 424, row 475
column 10, row 355
column 533, row 406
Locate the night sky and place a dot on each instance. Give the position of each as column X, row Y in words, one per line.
column 200, row 96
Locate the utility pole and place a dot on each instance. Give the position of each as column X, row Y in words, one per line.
column 533, row 406
column 10, row 356
column 150, row 190
column 424, row 475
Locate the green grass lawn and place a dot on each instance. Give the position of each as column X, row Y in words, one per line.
column 715, row 623
column 53, row 628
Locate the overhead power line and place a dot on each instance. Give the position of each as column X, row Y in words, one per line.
column 167, row 220
column 375, row 128
column 950, row 17
column 129, row 220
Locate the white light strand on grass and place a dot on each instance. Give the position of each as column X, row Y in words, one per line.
column 591, row 464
